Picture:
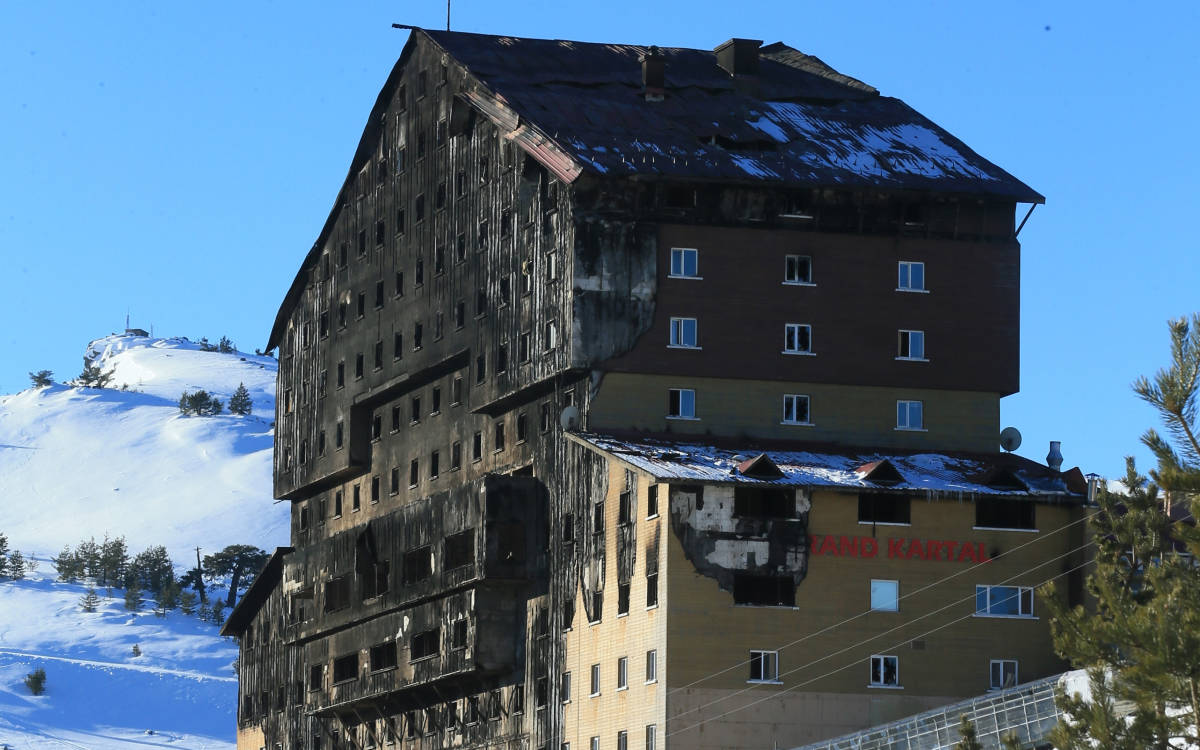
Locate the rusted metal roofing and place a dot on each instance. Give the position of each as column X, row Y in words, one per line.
column 796, row 122
column 933, row 473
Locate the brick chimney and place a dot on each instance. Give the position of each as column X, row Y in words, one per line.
column 654, row 74
column 739, row 57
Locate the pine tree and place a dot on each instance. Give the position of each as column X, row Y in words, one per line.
column 150, row 569
column 1141, row 644
column 31, row 563
column 966, row 732
column 36, row 681
column 3, row 556
column 239, row 402
column 241, row 562
column 225, row 346
column 200, row 403
column 88, row 555
column 217, row 613
column 90, row 600
column 187, row 602
column 41, row 378
column 136, row 650
column 114, row 561
column 133, row 598
column 16, row 566
column 68, row 566
column 93, row 377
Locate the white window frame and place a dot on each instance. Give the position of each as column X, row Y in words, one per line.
column 790, row 400
column 652, row 666
column 904, row 276
column 651, row 737
column 686, row 403
column 623, row 673
column 679, row 260
column 595, row 686
column 791, row 339
column 565, row 687
column 791, row 271
column 904, row 416
column 622, row 740
column 594, row 744
column 879, row 666
column 992, row 674
column 679, row 338
column 905, row 340
column 1024, row 599
column 880, row 586
column 768, row 665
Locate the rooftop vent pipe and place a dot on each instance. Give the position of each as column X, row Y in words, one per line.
column 739, row 57
column 1054, row 458
column 654, row 74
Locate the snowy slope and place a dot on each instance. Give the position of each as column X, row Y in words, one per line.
column 76, row 462
column 180, row 693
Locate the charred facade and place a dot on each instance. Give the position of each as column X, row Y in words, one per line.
column 538, row 241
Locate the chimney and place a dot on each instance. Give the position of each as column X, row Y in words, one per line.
column 1054, row 459
column 654, row 74
column 739, row 57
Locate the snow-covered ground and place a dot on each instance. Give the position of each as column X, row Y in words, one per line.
column 77, row 463
column 181, row 692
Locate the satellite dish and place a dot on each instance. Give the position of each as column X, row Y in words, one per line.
column 569, row 419
column 1010, row 439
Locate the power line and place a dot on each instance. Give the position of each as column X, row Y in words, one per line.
column 901, row 626
column 926, row 587
column 855, row 663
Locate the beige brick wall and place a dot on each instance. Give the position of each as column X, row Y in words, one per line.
column 630, row 636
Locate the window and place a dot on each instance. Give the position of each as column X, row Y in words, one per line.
column 498, row 437
column 378, row 355
column 1003, row 513
column 337, row 504
column 394, row 484
column 683, row 333
column 550, row 337
column 885, row 671
column 1003, row 674
column 435, row 401
column 797, row 338
column 594, row 743
column 622, row 599
column 795, row 409
column 623, row 673
column 912, row 277
column 622, row 740
column 911, row 345
column 418, row 334
column 651, row 737
column 652, row 665
column 383, row 657
column 316, row 675
column 652, row 501
column 477, row 446
column 764, row 502
column 397, row 345
column 797, row 269
column 564, row 687
column 459, row 550
column 684, row 263
column 425, row 645
column 681, row 403
column 358, row 365
column 764, row 591
column 480, row 369
column 885, row 596
column 764, row 666
column 458, row 634
column 433, row 465
column 339, row 433
column 418, row 565
column 1004, row 601
column 414, row 472
column 456, row 391
column 909, row 415
column 414, row 410
column 651, row 590
column 362, row 304
column 541, row 691
column 595, row 681
column 523, row 347
column 884, row 509
column 345, row 668
column 502, row 358
column 597, row 607
column 455, row 456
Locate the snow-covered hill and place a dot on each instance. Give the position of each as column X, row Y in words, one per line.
column 77, row 462
column 181, row 692
column 80, row 462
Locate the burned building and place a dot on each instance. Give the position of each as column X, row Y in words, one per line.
column 635, row 397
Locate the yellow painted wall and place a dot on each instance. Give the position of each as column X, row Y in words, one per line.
column 853, row 415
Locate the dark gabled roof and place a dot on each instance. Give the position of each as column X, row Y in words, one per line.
column 797, row 122
column 257, row 594
column 578, row 107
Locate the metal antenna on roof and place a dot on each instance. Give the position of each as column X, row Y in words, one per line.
column 447, row 15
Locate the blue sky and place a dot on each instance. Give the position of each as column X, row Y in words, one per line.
column 177, row 162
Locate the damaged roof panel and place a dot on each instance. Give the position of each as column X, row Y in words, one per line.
column 935, row 473
column 797, row 122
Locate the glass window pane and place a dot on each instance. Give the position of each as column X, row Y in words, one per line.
column 917, row 276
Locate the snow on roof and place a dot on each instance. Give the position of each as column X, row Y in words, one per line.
column 936, row 473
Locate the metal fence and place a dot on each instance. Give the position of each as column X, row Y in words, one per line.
column 1025, row 710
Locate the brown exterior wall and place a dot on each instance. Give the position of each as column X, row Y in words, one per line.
column 970, row 315
column 852, row 415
